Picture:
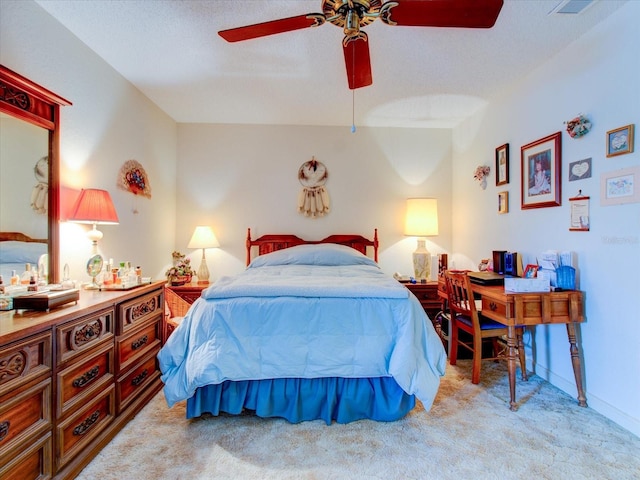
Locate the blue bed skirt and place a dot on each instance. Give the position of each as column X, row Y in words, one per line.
column 342, row 400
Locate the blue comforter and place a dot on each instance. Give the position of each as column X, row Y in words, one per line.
column 291, row 319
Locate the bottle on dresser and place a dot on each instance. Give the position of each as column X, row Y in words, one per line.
column 15, row 278
column 25, row 278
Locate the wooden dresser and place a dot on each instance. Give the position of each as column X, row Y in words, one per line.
column 71, row 378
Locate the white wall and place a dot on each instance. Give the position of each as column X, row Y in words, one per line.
column 234, row 177
column 109, row 123
column 598, row 76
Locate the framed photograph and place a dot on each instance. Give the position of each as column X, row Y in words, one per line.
column 620, row 186
column 503, row 202
column 620, row 141
column 540, row 172
column 502, row 165
column 531, row 271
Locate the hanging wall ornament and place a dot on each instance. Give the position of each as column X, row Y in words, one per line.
column 578, row 127
column 313, row 199
column 40, row 192
column 132, row 178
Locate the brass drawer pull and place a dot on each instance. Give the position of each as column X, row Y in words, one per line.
column 140, row 378
column 493, row 306
column 4, row 429
column 139, row 343
column 85, row 378
column 87, row 423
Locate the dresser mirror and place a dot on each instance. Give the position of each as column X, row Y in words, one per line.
column 30, row 163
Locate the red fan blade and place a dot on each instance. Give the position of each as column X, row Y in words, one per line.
column 356, row 58
column 442, row 13
column 271, row 28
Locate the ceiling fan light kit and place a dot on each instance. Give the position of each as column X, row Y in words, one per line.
column 353, row 15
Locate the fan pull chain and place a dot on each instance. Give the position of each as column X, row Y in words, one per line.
column 353, row 111
column 353, row 92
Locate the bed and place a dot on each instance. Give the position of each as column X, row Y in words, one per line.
column 18, row 249
column 310, row 330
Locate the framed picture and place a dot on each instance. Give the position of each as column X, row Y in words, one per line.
column 579, row 213
column 531, row 271
column 540, row 172
column 620, row 141
column 503, row 202
column 580, row 170
column 620, row 186
column 502, row 165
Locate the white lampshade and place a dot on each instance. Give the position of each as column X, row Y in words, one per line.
column 421, row 221
column 422, row 217
column 203, row 237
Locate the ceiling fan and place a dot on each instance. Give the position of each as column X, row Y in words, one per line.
column 353, row 15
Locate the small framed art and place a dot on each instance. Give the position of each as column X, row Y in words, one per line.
column 531, row 271
column 502, row 165
column 503, row 202
column 579, row 213
column 620, row 186
column 540, row 172
column 620, row 141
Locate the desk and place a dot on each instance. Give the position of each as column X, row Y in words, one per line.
column 530, row 309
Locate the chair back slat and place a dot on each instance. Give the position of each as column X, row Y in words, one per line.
column 461, row 300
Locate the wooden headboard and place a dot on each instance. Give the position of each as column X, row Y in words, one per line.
column 272, row 242
column 20, row 237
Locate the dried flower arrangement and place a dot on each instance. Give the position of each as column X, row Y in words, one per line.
column 181, row 271
column 481, row 174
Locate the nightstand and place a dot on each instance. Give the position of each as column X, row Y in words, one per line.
column 427, row 294
column 432, row 297
column 178, row 300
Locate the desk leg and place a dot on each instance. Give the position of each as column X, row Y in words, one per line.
column 577, row 364
column 511, row 364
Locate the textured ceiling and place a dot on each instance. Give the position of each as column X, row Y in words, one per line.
column 422, row 77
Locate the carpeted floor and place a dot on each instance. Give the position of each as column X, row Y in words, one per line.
column 470, row 433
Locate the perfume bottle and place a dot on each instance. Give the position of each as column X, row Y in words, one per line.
column 15, row 279
column 25, row 278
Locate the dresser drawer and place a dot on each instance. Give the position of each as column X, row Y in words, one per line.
column 136, row 381
column 137, row 344
column 31, row 463
column 82, row 380
column 76, row 337
column 80, row 429
column 23, row 361
column 133, row 313
column 24, row 414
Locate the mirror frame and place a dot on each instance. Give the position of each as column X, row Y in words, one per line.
column 28, row 101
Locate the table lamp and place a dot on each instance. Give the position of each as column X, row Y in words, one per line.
column 94, row 206
column 421, row 221
column 203, row 237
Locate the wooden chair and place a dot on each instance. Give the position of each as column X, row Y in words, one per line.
column 465, row 316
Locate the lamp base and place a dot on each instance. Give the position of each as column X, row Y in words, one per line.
column 203, row 271
column 422, row 262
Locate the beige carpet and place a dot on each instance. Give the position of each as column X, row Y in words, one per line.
column 470, row 433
